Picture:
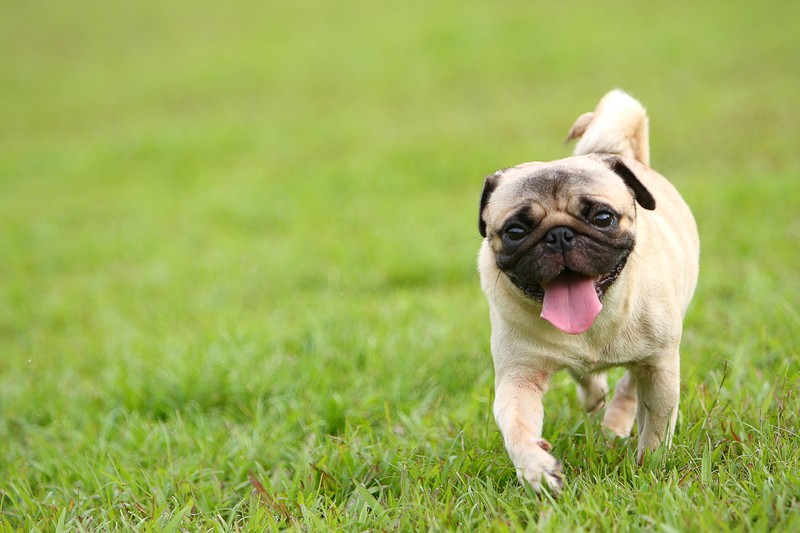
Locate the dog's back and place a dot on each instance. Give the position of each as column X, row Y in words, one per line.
column 617, row 126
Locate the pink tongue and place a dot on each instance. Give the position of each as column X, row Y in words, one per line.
column 571, row 303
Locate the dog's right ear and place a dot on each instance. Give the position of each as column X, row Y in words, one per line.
column 489, row 185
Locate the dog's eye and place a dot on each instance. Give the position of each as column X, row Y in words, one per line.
column 603, row 219
column 515, row 232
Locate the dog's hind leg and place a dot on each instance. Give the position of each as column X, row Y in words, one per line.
column 592, row 391
column 621, row 411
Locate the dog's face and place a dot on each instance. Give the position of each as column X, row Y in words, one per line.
column 562, row 231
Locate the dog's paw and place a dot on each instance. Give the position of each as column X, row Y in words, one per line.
column 592, row 402
column 592, row 392
column 540, row 469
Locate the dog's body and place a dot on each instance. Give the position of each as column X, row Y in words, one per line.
column 587, row 262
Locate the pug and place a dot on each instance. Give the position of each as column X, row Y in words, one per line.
column 587, row 262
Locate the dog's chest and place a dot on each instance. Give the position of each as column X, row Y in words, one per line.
column 582, row 359
column 585, row 356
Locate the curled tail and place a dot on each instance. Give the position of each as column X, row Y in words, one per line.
column 618, row 125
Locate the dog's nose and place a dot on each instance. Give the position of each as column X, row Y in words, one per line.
column 560, row 239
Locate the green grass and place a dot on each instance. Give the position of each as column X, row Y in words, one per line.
column 237, row 262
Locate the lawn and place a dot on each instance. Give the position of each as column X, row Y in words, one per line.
column 238, row 288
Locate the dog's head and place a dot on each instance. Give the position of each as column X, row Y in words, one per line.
column 562, row 231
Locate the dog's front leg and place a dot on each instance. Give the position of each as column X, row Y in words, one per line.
column 658, row 387
column 519, row 414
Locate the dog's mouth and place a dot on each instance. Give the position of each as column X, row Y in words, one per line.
column 571, row 300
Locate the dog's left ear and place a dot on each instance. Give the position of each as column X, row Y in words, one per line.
column 640, row 192
column 489, row 185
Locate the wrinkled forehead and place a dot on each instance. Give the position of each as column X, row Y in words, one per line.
column 561, row 180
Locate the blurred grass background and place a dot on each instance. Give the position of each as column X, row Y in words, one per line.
column 240, row 241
